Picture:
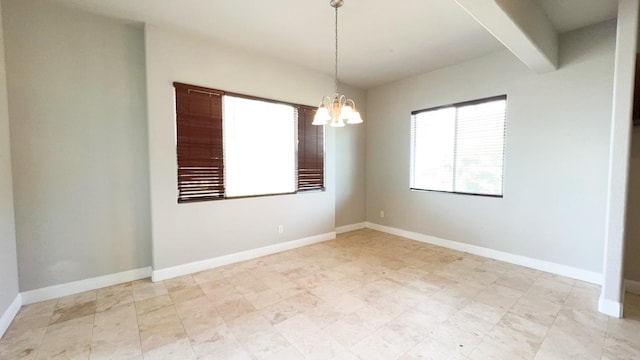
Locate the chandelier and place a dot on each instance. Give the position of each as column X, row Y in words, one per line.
column 338, row 110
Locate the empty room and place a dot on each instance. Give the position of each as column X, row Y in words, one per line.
column 319, row 179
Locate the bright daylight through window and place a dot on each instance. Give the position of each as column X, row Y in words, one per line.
column 232, row 145
column 460, row 148
column 259, row 147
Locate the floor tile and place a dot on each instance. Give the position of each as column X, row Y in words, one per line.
column 386, row 343
column 365, row 295
column 430, row 349
column 519, row 334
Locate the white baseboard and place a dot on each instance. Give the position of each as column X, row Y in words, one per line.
column 351, row 227
column 75, row 287
column 9, row 314
column 564, row 270
column 632, row 286
column 610, row 307
column 190, row 268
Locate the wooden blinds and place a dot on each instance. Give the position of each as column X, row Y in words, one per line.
column 310, row 151
column 199, row 143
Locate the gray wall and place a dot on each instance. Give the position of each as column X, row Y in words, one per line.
column 557, row 147
column 8, row 259
column 632, row 238
column 79, row 143
column 350, row 164
column 78, row 86
column 189, row 232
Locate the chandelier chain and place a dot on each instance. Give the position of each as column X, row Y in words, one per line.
column 336, row 110
column 336, row 62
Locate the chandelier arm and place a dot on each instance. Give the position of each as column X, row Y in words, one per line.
column 342, row 101
column 327, row 102
column 353, row 103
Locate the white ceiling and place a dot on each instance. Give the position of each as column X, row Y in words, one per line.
column 380, row 41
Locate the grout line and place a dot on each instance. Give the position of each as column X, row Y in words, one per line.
column 605, row 337
column 135, row 309
column 93, row 325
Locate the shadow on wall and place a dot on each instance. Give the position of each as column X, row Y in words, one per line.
column 632, row 238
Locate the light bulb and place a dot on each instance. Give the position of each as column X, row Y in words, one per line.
column 346, row 113
column 322, row 116
column 355, row 118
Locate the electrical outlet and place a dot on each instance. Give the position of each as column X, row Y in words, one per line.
column 280, row 229
column 381, row 213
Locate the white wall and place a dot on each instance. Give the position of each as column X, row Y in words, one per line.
column 189, row 232
column 350, row 164
column 632, row 238
column 556, row 153
column 78, row 143
column 8, row 257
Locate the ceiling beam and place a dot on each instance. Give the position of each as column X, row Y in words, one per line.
column 520, row 25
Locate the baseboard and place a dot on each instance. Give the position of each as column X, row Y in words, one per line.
column 9, row 314
column 190, row 268
column 351, row 227
column 75, row 287
column 632, row 286
column 610, row 307
column 547, row 266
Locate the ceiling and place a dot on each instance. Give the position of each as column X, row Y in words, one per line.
column 380, row 41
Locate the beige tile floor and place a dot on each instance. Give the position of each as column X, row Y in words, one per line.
column 366, row 295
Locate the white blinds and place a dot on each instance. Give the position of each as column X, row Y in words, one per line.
column 460, row 148
column 434, row 149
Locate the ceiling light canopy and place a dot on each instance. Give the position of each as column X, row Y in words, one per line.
column 337, row 110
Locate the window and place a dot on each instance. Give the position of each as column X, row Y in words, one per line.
column 259, row 147
column 459, row 148
column 230, row 145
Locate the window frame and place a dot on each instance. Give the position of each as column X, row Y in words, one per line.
column 296, row 149
column 457, row 105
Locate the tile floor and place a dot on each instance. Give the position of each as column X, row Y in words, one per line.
column 366, row 295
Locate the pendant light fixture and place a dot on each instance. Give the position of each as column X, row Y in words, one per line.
column 336, row 110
